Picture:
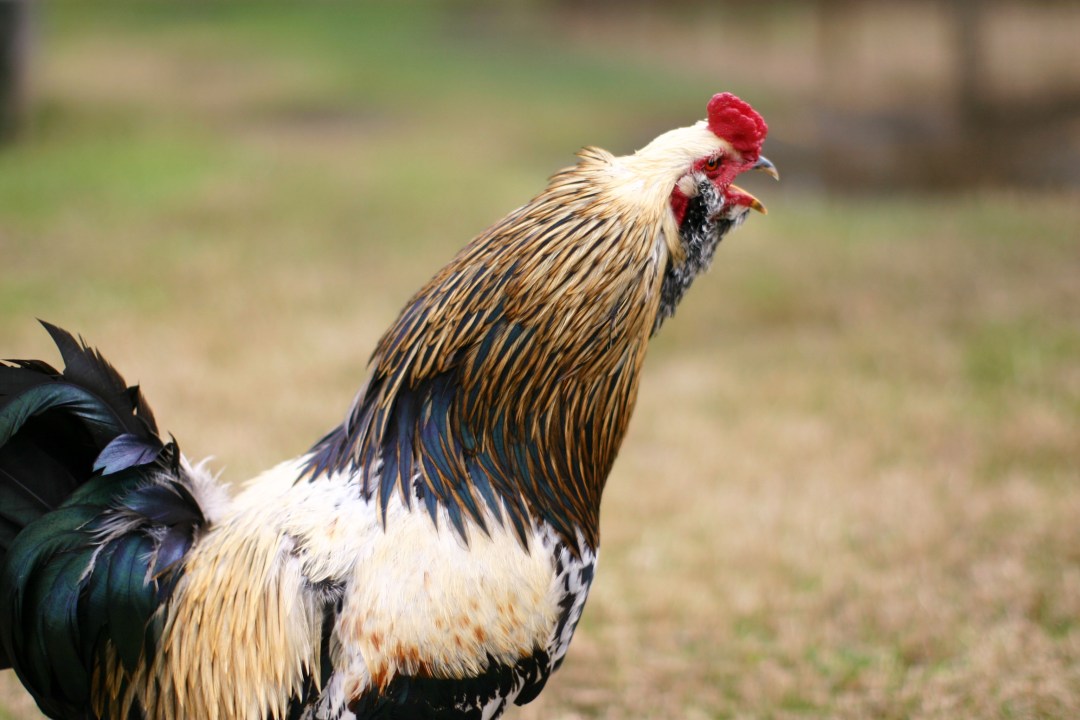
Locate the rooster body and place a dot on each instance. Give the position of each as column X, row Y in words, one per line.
column 430, row 557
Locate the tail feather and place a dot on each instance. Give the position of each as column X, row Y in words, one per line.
column 54, row 427
column 84, row 366
column 96, row 516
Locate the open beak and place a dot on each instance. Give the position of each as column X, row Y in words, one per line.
column 764, row 165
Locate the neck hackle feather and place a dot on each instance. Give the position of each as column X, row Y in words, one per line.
column 505, row 387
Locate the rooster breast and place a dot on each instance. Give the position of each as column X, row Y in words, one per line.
column 430, row 623
column 422, row 603
column 419, row 622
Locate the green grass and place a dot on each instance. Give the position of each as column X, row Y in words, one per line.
column 849, row 489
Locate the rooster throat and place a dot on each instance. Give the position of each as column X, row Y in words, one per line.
column 706, row 220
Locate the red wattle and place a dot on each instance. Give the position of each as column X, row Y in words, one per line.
column 679, row 202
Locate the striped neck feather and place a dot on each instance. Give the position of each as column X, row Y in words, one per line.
column 503, row 390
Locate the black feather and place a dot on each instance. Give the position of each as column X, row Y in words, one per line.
column 429, row 698
column 95, row 521
column 85, row 366
column 125, row 451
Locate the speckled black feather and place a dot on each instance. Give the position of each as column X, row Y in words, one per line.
column 701, row 232
column 427, row 698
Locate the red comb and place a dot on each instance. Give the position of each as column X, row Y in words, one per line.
column 738, row 123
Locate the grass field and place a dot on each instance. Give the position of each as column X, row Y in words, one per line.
column 852, row 485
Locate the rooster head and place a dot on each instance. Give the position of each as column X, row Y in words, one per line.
column 719, row 149
column 740, row 132
column 693, row 171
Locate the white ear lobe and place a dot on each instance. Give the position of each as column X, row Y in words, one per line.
column 687, row 185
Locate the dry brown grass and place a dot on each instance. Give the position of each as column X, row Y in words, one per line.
column 851, row 485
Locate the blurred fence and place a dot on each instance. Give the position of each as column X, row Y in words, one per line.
column 866, row 95
column 949, row 93
column 919, row 94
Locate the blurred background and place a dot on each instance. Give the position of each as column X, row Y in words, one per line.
column 852, row 484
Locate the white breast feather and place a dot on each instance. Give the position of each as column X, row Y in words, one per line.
column 417, row 600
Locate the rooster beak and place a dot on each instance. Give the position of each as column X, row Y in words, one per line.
column 765, row 165
column 741, row 197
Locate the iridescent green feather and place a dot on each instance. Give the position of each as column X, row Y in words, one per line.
column 97, row 526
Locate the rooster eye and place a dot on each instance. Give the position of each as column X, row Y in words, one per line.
column 712, row 163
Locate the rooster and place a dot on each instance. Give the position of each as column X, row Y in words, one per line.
column 429, row 558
